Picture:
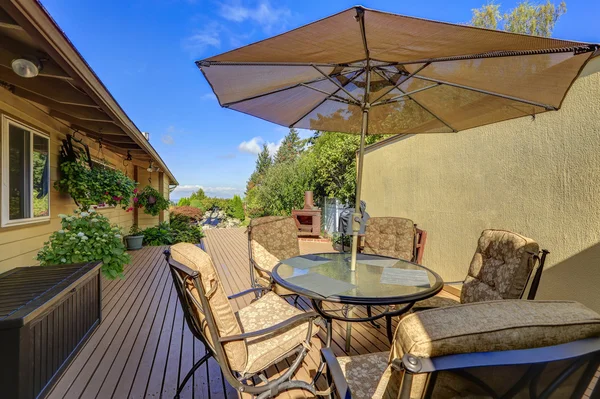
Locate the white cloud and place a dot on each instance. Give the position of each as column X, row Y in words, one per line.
column 254, row 146
column 264, row 14
column 167, row 139
column 197, row 43
column 185, row 190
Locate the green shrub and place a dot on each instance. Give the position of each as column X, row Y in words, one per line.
column 236, row 208
column 158, row 235
column 180, row 229
column 86, row 237
column 196, row 204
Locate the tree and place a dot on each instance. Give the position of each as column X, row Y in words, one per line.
column 198, row 195
column 526, row 17
column 263, row 163
column 236, row 208
column 183, row 202
column 290, row 148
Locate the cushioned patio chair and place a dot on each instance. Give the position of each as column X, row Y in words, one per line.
column 500, row 269
column 244, row 343
column 496, row 349
column 395, row 237
column 271, row 239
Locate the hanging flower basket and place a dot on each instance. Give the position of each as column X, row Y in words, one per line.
column 151, row 200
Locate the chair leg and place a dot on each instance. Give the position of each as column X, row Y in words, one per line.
column 370, row 314
column 191, row 373
column 388, row 326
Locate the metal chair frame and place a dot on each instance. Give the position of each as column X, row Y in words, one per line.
column 583, row 353
column 181, row 275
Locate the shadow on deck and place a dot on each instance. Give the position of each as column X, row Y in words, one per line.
column 143, row 347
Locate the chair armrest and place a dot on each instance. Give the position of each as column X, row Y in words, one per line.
column 454, row 282
column 545, row 354
column 307, row 316
column 256, row 266
column 179, row 266
column 335, row 372
column 248, row 291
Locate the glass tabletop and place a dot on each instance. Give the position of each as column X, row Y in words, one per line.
column 376, row 280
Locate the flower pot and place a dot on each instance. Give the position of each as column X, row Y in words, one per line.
column 134, row 242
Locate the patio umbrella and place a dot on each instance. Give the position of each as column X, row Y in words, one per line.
column 365, row 72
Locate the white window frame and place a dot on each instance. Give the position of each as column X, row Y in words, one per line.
column 4, row 202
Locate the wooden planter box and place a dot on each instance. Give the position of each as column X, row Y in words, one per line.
column 46, row 313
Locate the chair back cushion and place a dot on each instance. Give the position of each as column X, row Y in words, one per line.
column 273, row 238
column 493, row 326
column 500, row 267
column 390, row 236
column 226, row 322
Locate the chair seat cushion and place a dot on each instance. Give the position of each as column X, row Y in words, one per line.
column 435, row 302
column 362, row 373
column 493, row 326
column 266, row 350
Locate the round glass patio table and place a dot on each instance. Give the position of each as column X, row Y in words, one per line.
column 377, row 280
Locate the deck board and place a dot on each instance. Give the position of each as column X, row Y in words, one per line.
column 143, row 348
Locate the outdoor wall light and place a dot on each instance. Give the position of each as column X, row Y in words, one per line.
column 26, row 67
column 150, row 168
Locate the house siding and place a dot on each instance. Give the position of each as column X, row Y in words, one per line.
column 20, row 244
column 539, row 178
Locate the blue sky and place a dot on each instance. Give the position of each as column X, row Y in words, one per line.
column 144, row 51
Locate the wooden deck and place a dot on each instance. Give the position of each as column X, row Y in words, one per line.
column 143, row 348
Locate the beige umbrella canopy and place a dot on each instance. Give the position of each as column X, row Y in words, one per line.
column 369, row 72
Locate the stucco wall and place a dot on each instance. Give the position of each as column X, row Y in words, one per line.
column 20, row 244
column 540, row 178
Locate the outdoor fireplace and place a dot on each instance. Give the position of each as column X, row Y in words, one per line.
column 308, row 219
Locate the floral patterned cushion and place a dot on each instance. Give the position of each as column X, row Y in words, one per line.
column 266, row 350
column 500, row 267
column 390, row 236
column 225, row 319
column 363, row 374
column 493, row 326
column 278, row 235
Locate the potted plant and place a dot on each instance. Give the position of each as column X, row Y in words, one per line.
column 151, row 200
column 135, row 238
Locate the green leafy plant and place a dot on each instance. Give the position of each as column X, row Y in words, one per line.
column 86, row 236
column 236, row 208
column 158, row 235
column 151, row 200
column 99, row 185
column 180, row 229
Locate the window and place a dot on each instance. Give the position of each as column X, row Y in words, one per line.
column 25, row 174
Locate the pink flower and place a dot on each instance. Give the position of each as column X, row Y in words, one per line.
column 135, row 190
column 129, row 209
column 106, row 193
column 135, row 199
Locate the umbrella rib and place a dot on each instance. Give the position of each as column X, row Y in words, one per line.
column 330, row 96
column 400, row 81
column 399, row 97
column 335, row 82
column 325, row 99
column 419, row 104
column 490, row 93
column 282, row 89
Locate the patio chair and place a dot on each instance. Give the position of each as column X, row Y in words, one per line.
column 395, row 237
column 271, row 239
column 501, row 268
column 244, row 343
column 497, row 349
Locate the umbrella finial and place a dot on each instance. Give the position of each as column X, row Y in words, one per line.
column 360, row 13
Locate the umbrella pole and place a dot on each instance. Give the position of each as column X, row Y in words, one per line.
column 356, row 217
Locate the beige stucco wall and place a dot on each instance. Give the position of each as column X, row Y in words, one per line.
column 20, row 244
column 540, row 178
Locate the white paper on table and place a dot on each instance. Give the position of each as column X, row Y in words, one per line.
column 409, row 278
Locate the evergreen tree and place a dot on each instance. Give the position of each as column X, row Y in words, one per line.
column 290, row 148
column 263, row 163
